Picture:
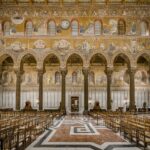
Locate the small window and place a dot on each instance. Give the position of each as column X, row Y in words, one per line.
column 92, row 78
column 57, row 77
column 74, row 77
column 29, row 28
column 121, row 27
column 144, row 28
column 51, row 28
column 75, row 28
column 7, row 28
column 98, row 28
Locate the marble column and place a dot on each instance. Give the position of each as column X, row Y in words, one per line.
column 132, row 72
column 40, row 77
column 18, row 88
column 149, row 85
column 1, row 71
column 148, row 74
column 63, row 89
column 86, row 95
column 109, row 72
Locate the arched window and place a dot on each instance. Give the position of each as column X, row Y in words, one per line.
column 74, row 77
column 57, row 77
column 121, row 27
column 144, row 28
column 51, row 28
column 29, row 28
column 98, row 28
column 75, row 28
column 7, row 28
column 91, row 77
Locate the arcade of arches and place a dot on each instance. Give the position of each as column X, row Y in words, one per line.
column 113, row 85
column 74, row 74
column 98, row 54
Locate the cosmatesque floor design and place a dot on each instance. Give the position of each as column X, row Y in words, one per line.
column 80, row 133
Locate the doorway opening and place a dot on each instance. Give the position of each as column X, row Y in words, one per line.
column 74, row 104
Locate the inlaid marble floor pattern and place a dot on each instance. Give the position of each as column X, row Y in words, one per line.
column 80, row 133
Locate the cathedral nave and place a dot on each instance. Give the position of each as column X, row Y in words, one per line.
column 74, row 74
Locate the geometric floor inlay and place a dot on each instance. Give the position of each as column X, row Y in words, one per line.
column 86, row 129
column 80, row 133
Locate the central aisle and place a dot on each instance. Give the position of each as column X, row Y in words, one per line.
column 79, row 132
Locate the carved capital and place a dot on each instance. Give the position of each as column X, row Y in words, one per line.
column 108, row 71
column 85, row 71
column 40, row 72
column 63, row 72
column 132, row 70
column 18, row 72
column 148, row 71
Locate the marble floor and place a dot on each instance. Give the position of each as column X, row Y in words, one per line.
column 80, row 133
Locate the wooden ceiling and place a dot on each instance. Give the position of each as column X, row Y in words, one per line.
column 52, row 2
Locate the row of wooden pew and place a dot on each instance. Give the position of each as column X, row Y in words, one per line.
column 19, row 129
column 136, row 128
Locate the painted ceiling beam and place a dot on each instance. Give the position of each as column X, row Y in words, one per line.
column 107, row 1
column 90, row 2
column 31, row 1
column 46, row 1
column 16, row 1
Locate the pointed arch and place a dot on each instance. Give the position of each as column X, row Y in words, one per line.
column 145, row 55
column 4, row 55
column 101, row 58
column 72, row 58
column 127, row 58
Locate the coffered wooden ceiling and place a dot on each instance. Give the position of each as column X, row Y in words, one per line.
column 74, row 1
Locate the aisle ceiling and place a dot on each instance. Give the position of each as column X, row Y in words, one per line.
column 71, row 1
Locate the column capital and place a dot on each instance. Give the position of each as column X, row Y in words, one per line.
column 18, row 72
column 85, row 70
column 148, row 71
column 108, row 71
column 132, row 70
column 63, row 71
column 40, row 72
